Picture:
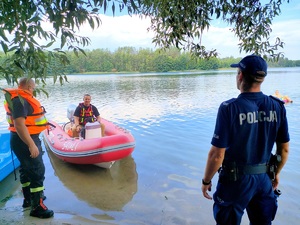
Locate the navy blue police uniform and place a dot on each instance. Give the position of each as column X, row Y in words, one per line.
column 247, row 126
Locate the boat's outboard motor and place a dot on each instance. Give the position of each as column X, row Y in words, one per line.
column 70, row 112
column 67, row 127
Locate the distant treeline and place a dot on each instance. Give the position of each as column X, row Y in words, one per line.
column 130, row 59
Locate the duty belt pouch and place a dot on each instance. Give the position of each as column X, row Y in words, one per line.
column 272, row 165
column 229, row 172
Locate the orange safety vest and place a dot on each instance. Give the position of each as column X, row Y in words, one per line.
column 36, row 122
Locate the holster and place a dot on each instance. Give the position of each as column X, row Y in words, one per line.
column 272, row 165
column 228, row 173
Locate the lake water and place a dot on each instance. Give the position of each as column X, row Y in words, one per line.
column 172, row 118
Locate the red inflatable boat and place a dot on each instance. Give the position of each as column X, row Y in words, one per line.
column 117, row 143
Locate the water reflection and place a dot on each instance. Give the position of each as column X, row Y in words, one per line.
column 106, row 189
column 138, row 98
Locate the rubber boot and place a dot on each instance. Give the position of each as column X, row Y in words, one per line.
column 26, row 194
column 43, row 196
column 38, row 209
column 27, row 198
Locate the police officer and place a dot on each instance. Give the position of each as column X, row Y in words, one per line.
column 246, row 129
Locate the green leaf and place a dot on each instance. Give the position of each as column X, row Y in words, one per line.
column 113, row 8
column 4, row 47
column 63, row 41
column 105, row 6
column 2, row 34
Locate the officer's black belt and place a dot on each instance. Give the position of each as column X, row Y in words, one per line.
column 253, row 169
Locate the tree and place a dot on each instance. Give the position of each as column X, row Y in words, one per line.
column 178, row 23
column 162, row 62
column 144, row 60
column 23, row 22
column 181, row 23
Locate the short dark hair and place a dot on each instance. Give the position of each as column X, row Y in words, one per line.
column 24, row 81
column 86, row 95
column 254, row 69
column 249, row 80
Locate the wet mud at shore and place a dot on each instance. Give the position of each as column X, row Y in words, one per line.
column 78, row 194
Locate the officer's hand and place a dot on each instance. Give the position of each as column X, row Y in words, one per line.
column 34, row 151
column 205, row 189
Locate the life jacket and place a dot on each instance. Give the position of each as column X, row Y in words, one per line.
column 36, row 122
column 86, row 115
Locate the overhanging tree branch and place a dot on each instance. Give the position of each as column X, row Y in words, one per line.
column 179, row 23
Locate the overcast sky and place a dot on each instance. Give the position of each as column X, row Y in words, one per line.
column 120, row 31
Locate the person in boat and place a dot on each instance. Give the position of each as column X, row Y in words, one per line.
column 284, row 98
column 26, row 118
column 86, row 112
column 246, row 129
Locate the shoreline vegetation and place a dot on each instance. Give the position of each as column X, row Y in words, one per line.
column 162, row 73
column 127, row 60
column 183, row 72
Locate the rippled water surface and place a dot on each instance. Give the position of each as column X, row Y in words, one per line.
column 172, row 118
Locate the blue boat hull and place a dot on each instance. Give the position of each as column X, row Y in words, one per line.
column 6, row 162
